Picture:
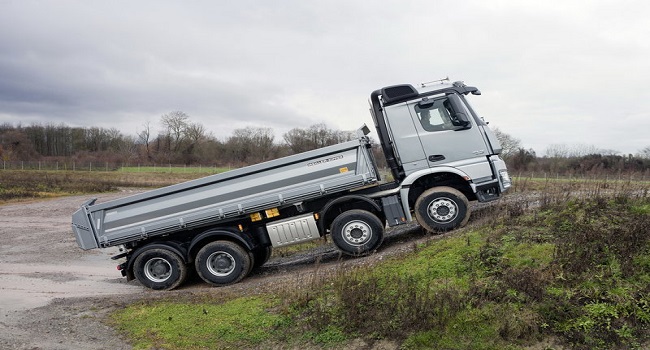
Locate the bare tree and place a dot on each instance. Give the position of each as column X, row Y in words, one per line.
column 574, row 150
column 645, row 153
column 250, row 145
column 195, row 133
column 510, row 145
column 175, row 124
column 298, row 140
column 144, row 137
column 316, row 136
column 557, row 151
column 15, row 145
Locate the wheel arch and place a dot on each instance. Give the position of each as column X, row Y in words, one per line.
column 334, row 207
column 216, row 234
column 450, row 178
column 172, row 246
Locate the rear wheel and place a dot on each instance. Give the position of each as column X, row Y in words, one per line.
column 222, row 262
column 442, row 209
column 160, row 269
column 262, row 255
column 357, row 232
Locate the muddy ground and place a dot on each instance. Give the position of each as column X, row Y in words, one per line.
column 54, row 295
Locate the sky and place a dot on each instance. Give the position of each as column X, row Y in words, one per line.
column 550, row 72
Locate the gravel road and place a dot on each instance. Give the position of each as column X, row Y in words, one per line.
column 48, row 285
column 54, row 295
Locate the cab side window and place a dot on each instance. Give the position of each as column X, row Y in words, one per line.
column 435, row 116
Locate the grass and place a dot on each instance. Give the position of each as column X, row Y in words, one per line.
column 574, row 272
column 239, row 323
column 30, row 184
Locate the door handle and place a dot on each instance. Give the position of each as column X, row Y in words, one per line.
column 479, row 152
column 436, row 158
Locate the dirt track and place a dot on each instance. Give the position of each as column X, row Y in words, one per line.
column 54, row 295
column 40, row 263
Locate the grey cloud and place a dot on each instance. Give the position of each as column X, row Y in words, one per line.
column 293, row 63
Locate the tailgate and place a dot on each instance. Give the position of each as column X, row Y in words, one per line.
column 82, row 227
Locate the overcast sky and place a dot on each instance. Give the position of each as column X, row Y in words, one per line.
column 551, row 72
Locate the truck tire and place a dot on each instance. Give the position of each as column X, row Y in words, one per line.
column 222, row 262
column 442, row 209
column 262, row 255
column 159, row 269
column 357, row 232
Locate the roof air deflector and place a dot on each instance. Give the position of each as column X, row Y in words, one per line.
column 398, row 93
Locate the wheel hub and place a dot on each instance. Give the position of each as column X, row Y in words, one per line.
column 220, row 263
column 443, row 210
column 357, row 232
column 158, row 270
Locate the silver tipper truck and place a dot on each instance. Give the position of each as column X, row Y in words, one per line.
column 441, row 155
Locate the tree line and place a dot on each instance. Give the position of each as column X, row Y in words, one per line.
column 179, row 140
column 565, row 159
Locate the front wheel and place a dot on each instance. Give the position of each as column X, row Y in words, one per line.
column 222, row 262
column 357, row 232
column 442, row 209
column 159, row 269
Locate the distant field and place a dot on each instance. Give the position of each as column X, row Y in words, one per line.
column 30, row 184
column 564, row 184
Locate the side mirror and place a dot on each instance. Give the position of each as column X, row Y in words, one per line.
column 472, row 90
column 458, row 115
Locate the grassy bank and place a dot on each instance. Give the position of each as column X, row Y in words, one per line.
column 572, row 273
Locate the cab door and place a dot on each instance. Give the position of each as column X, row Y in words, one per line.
column 444, row 137
column 405, row 138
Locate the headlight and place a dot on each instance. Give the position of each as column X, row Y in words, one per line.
column 505, row 178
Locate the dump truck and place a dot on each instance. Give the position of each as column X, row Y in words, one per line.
column 440, row 155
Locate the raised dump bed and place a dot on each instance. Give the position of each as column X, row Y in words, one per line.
column 230, row 195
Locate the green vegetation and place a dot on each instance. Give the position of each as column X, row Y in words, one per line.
column 239, row 323
column 19, row 184
column 29, row 184
column 575, row 273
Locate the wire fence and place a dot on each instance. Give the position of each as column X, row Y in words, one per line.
column 203, row 168
column 587, row 176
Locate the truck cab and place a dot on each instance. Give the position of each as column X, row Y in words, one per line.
column 432, row 137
